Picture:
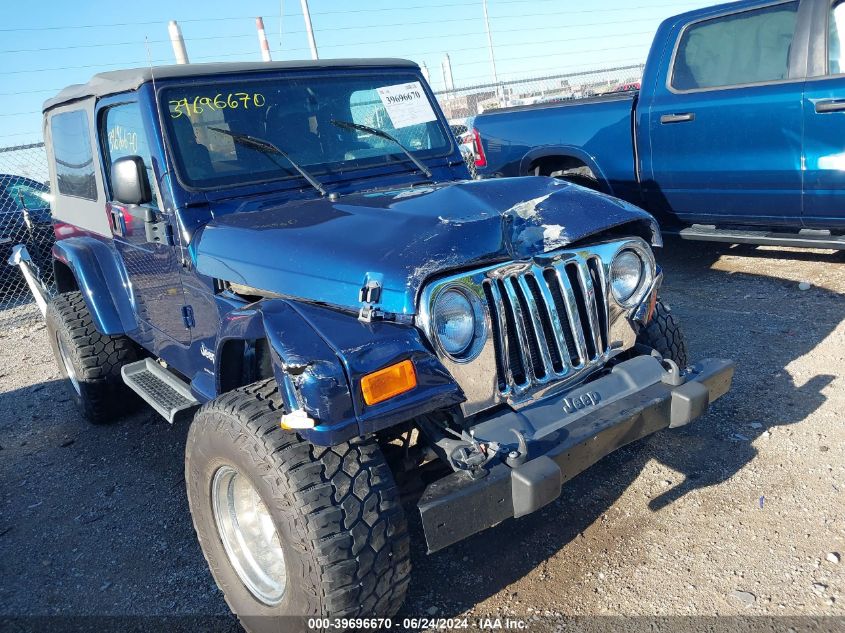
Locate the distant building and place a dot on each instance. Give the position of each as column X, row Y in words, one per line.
column 462, row 106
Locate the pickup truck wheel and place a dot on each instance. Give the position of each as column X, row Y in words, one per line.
column 289, row 528
column 89, row 361
column 665, row 335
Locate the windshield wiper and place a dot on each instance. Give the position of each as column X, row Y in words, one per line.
column 268, row 148
column 349, row 125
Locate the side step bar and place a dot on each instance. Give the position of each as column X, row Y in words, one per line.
column 805, row 238
column 163, row 391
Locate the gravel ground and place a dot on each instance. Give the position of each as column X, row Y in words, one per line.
column 740, row 513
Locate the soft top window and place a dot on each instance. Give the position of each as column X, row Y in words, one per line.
column 71, row 141
column 296, row 114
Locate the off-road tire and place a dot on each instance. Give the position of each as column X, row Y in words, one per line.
column 664, row 334
column 95, row 358
column 336, row 511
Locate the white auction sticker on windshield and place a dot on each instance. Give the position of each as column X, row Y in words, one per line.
column 406, row 104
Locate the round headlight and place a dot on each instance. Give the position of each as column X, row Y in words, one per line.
column 454, row 321
column 627, row 273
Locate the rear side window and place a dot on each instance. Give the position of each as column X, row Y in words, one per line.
column 743, row 48
column 71, row 139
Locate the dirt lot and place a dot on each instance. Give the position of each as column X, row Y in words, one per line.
column 742, row 512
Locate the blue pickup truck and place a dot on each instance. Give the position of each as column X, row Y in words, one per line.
column 737, row 133
column 292, row 257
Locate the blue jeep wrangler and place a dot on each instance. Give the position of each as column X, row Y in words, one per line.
column 293, row 254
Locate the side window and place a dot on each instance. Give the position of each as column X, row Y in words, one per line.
column 123, row 135
column 743, row 48
column 71, row 140
column 836, row 31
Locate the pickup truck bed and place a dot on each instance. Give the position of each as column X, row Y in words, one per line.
column 532, row 137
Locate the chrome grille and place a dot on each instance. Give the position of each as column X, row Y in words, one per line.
column 548, row 322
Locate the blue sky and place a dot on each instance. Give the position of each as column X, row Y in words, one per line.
column 66, row 41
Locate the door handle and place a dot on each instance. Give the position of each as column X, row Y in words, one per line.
column 830, row 105
column 677, row 118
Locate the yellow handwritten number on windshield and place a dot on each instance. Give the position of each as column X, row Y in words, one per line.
column 220, row 101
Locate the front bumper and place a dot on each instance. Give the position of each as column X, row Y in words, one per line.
column 566, row 435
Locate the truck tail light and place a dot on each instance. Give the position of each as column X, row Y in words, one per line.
column 472, row 141
column 386, row 383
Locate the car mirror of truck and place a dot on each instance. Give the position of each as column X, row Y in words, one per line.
column 129, row 181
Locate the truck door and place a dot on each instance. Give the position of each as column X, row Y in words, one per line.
column 153, row 268
column 724, row 121
column 824, row 120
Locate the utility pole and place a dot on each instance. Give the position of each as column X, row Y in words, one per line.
column 179, row 50
column 262, row 40
column 446, row 67
column 490, row 45
column 306, row 14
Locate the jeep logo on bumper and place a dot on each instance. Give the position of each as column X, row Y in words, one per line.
column 571, row 405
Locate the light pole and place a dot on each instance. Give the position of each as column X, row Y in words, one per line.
column 490, row 45
column 306, row 14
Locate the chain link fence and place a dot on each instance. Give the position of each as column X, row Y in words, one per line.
column 460, row 104
column 24, row 219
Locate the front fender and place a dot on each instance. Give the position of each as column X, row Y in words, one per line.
column 102, row 281
column 320, row 356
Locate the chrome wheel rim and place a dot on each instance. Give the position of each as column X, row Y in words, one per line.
column 69, row 370
column 248, row 535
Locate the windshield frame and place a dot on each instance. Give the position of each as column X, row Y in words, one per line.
column 344, row 175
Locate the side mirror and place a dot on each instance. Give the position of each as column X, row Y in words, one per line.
column 129, row 181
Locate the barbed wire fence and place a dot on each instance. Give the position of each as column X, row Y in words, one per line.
column 24, row 181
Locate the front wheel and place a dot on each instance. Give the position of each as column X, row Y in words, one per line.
column 664, row 334
column 289, row 528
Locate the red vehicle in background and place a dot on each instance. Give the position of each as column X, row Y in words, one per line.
column 633, row 86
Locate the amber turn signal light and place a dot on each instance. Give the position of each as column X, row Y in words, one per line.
column 386, row 383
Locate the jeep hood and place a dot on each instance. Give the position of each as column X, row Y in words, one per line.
column 324, row 250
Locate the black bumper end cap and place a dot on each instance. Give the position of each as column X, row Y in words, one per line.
column 689, row 401
column 535, row 484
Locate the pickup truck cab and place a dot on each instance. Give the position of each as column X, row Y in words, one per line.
column 293, row 257
column 736, row 133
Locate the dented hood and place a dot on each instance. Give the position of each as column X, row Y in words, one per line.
column 323, row 250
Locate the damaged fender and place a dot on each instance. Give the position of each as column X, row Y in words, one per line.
column 319, row 357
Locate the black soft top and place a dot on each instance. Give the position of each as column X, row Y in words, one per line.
column 113, row 82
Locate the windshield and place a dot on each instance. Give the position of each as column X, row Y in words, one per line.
column 295, row 114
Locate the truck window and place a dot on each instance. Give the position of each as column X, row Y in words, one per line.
column 836, row 29
column 74, row 160
column 742, row 48
column 123, row 135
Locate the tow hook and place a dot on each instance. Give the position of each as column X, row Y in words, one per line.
column 519, row 456
column 674, row 375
